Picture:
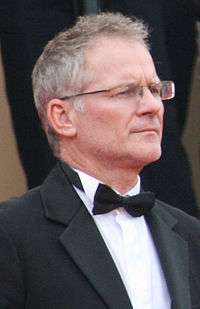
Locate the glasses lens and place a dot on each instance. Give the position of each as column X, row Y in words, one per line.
column 167, row 90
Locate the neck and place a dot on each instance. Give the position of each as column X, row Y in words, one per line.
column 118, row 177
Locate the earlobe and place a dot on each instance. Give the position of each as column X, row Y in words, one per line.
column 58, row 114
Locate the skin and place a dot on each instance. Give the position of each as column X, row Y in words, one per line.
column 112, row 139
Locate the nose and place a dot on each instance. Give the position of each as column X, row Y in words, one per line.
column 149, row 104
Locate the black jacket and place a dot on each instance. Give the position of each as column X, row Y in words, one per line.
column 53, row 256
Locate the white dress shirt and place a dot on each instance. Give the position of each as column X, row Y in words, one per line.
column 131, row 246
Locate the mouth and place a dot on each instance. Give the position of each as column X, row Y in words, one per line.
column 146, row 130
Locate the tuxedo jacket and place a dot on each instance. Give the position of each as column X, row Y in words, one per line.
column 53, row 256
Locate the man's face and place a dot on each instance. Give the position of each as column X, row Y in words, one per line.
column 119, row 131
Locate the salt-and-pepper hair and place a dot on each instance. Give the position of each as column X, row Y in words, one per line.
column 61, row 70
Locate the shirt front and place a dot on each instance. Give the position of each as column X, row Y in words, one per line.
column 132, row 248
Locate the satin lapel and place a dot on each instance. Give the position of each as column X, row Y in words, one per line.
column 173, row 253
column 84, row 243
column 82, row 239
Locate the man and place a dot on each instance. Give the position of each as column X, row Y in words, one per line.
column 26, row 26
column 69, row 243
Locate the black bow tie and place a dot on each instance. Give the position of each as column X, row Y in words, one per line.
column 106, row 200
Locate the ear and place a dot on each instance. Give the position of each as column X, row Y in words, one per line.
column 59, row 116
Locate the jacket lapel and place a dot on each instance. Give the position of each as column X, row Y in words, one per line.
column 86, row 246
column 82, row 240
column 173, row 253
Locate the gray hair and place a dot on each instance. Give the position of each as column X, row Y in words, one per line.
column 61, row 70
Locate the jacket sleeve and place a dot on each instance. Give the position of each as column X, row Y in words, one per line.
column 11, row 279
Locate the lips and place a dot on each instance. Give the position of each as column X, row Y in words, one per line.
column 143, row 130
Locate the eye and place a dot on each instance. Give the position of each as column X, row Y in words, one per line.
column 155, row 89
column 125, row 91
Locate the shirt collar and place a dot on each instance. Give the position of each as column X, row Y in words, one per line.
column 90, row 185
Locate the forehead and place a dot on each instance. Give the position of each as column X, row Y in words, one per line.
column 117, row 58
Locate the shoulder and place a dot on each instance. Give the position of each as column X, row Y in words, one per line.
column 14, row 204
column 30, row 203
column 21, row 211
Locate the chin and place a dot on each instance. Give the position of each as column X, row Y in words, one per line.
column 144, row 157
column 152, row 157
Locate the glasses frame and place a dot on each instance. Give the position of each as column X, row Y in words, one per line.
column 116, row 90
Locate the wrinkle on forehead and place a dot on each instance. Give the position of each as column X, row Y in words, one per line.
column 115, row 61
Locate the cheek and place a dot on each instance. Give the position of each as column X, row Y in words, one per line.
column 94, row 126
column 161, row 112
column 107, row 122
column 111, row 121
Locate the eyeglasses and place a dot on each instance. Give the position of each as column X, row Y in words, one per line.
column 164, row 90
